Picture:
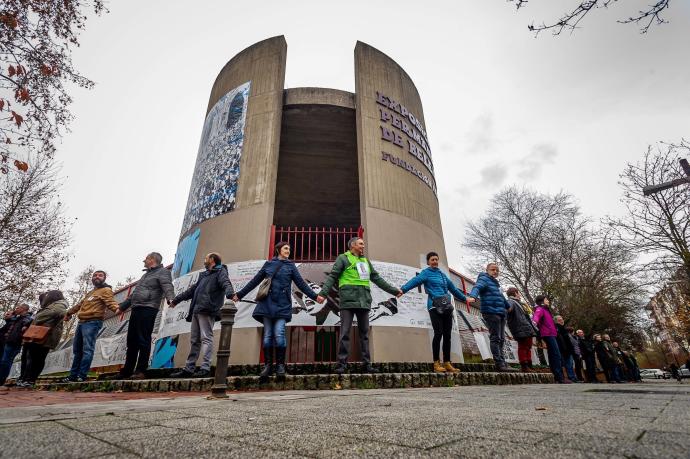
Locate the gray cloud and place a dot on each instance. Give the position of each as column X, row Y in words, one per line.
column 530, row 167
column 493, row 175
column 480, row 137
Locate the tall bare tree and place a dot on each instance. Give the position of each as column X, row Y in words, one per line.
column 34, row 233
column 657, row 225
column 516, row 229
column 545, row 245
column 570, row 20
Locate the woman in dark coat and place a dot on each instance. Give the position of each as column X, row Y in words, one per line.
column 275, row 310
column 53, row 310
column 522, row 329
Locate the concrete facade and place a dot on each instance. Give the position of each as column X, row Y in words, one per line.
column 325, row 157
column 243, row 233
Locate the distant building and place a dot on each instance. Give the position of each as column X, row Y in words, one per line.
column 666, row 309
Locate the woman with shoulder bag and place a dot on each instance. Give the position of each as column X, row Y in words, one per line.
column 53, row 310
column 440, row 307
column 274, row 304
column 522, row 329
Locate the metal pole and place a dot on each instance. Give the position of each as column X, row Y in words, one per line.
column 220, row 382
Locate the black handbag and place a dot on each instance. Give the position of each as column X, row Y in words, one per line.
column 442, row 304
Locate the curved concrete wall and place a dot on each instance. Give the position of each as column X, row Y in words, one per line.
column 397, row 190
column 242, row 234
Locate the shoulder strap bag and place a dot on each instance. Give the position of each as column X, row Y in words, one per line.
column 36, row 334
column 265, row 285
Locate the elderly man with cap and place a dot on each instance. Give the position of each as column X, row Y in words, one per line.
column 354, row 273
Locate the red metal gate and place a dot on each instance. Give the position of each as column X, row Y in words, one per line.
column 313, row 244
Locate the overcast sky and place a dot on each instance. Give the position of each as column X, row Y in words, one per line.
column 501, row 107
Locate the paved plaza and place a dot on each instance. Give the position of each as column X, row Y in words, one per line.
column 650, row 419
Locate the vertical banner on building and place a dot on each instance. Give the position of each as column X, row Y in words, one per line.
column 214, row 184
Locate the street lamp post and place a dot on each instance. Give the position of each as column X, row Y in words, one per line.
column 220, row 382
column 651, row 189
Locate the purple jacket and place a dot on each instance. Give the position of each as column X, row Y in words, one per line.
column 542, row 317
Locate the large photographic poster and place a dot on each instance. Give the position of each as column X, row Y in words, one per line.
column 214, row 184
column 386, row 310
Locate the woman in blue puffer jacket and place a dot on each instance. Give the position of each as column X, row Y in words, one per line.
column 275, row 310
column 437, row 284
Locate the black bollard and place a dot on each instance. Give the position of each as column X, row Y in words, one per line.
column 227, row 320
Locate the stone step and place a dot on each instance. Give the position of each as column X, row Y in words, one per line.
column 329, row 368
column 309, row 382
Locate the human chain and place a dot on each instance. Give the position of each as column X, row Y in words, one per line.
column 572, row 357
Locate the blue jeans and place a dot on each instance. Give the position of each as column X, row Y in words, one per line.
column 8, row 355
column 554, row 357
column 274, row 332
column 497, row 336
column 83, row 347
column 568, row 363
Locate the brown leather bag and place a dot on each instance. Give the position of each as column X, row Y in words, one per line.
column 36, row 334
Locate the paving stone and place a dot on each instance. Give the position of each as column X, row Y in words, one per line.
column 123, row 437
column 368, row 449
column 226, row 428
column 102, row 424
column 49, row 440
column 480, row 448
column 194, row 445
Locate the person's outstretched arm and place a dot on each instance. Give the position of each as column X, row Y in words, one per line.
column 376, row 278
column 301, row 284
column 415, row 282
column 252, row 284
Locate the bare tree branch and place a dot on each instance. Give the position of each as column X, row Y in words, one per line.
column 571, row 20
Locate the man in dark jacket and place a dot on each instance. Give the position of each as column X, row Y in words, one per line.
column 565, row 346
column 11, row 334
column 587, row 352
column 145, row 302
column 207, row 296
column 353, row 273
column 494, row 307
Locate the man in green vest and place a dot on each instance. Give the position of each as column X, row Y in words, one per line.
column 353, row 273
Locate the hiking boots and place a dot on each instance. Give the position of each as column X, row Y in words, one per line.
column 438, row 368
column 450, row 368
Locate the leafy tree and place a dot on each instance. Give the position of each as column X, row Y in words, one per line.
column 36, row 41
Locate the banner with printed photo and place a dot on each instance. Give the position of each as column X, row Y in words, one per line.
column 386, row 310
column 214, row 183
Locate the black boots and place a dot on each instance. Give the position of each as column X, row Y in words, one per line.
column 268, row 364
column 280, row 362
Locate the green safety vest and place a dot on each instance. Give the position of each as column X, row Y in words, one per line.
column 351, row 274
